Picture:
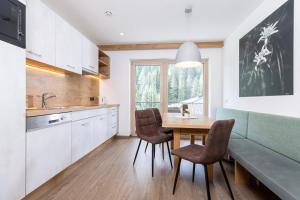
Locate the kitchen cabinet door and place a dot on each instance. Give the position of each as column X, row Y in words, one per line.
column 68, row 43
column 89, row 56
column 82, row 138
column 40, row 32
column 48, row 153
column 99, row 130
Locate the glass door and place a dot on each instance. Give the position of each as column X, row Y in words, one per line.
column 146, row 87
column 160, row 84
column 186, row 86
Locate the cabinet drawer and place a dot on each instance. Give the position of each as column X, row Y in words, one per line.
column 88, row 114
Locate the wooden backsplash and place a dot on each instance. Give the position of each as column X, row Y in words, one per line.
column 70, row 90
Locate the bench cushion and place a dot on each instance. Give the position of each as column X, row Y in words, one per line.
column 236, row 136
column 281, row 134
column 277, row 172
column 241, row 120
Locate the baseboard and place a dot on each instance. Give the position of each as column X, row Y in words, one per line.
column 123, row 136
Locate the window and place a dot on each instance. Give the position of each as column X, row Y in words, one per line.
column 185, row 86
column 160, row 84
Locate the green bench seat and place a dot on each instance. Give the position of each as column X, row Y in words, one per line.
column 268, row 146
column 279, row 173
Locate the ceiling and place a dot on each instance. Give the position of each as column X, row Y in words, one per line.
column 147, row 21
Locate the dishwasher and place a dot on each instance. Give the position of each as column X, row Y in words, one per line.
column 48, row 148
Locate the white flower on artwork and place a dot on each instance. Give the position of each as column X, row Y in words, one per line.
column 265, row 35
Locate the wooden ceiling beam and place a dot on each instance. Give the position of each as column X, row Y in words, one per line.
column 153, row 46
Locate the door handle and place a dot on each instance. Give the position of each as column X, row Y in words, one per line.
column 70, row 66
column 85, row 124
column 35, row 54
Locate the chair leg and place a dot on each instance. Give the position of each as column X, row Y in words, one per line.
column 194, row 167
column 176, row 176
column 153, row 152
column 169, row 155
column 163, row 150
column 137, row 151
column 226, row 179
column 207, row 182
column 146, row 147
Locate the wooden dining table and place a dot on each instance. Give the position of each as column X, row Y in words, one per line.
column 191, row 126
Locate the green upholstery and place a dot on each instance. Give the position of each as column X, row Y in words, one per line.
column 279, row 173
column 278, row 133
column 236, row 136
column 241, row 121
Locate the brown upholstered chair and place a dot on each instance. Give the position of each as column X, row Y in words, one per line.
column 161, row 129
column 147, row 130
column 213, row 151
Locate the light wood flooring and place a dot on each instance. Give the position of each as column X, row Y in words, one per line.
column 107, row 174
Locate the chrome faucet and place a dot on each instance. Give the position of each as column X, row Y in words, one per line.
column 45, row 97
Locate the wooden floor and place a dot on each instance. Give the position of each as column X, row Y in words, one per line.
column 108, row 174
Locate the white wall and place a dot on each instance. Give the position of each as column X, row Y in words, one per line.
column 281, row 105
column 117, row 88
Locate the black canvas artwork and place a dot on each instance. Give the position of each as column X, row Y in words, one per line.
column 266, row 55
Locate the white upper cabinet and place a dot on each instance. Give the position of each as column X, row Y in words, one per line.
column 40, row 32
column 68, row 42
column 89, row 56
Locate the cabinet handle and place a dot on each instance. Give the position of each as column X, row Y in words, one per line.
column 70, row 66
column 91, row 66
column 101, row 119
column 85, row 124
column 35, row 54
column 53, row 121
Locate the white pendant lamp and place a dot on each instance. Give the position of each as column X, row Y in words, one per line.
column 188, row 55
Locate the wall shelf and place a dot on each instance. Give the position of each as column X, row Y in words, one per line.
column 104, row 65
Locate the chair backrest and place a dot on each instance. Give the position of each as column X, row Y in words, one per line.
column 157, row 116
column 145, row 123
column 241, row 120
column 217, row 140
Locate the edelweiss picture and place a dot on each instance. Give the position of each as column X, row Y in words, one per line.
column 266, row 55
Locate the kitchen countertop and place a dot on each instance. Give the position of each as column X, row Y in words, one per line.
column 39, row 112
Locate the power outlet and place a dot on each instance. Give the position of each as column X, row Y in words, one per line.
column 92, row 98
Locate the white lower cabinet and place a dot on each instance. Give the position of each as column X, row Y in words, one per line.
column 99, row 130
column 48, row 153
column 82, row 137
column 51, row 150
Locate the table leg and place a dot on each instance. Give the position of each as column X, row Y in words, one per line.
column 192, row 139
column 203, row 139
column 176, row 146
